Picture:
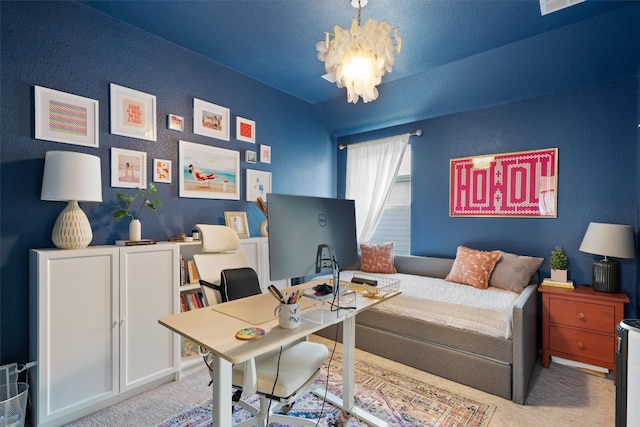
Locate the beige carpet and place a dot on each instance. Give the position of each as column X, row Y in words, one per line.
column 560, row 396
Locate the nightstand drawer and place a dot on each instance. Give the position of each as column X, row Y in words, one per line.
column 582, row 343
column 595, row 317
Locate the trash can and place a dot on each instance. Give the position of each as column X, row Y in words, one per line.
column 13, row 397
column 13, row 404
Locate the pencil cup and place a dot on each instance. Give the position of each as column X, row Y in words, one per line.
column 288, row 315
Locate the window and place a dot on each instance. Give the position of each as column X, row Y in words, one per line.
column 395, row 224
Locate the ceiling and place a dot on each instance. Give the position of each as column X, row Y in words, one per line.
column 456, row 55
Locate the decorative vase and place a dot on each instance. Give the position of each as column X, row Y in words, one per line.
column 135, row 230
column 559, row 275
column 263, row 228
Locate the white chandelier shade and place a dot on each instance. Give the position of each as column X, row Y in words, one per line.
column 358, row 58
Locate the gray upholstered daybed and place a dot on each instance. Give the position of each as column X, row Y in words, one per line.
column 500, row 365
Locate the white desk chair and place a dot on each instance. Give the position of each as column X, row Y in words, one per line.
column 220, row 251
column 294, row 366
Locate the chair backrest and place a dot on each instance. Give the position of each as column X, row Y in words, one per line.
column 220, row 251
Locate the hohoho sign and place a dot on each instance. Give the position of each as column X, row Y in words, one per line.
column 522, row 184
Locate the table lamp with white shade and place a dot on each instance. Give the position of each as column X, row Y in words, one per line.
column 608, row 240
column 73, row 177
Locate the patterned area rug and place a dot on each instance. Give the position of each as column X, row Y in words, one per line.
column 390, row 396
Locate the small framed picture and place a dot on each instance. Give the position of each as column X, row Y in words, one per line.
column 258, row 184
column 210, row 120
column 245, row 130
column 128, row 168
column 265, row 153
column 250, row 156
column 175, row 122
column 162, row 171
column 237, row 221
column 63, row 117
column 133, row 113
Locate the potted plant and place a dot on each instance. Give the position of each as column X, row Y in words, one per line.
column 126, row 207
column 559, row 265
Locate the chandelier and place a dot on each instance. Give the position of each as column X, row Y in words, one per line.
column 358, row 58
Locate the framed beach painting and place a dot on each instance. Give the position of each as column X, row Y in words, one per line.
column 207, row 172
column 63, row 117
column 133, row 113
column 128, row 168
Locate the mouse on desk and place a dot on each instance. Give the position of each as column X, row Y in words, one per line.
column 323, row 289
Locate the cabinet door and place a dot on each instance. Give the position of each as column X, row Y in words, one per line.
column 148, row 278
column 75, row 341
column 265, row 269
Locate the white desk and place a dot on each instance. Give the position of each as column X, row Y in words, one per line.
column 216, row 331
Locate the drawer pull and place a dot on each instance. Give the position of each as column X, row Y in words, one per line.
column 580, row 345
column 580, row 316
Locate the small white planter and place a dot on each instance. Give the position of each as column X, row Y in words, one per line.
column 559, row 275
column 135, row 230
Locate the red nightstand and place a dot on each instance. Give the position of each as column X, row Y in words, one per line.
column 580, row 324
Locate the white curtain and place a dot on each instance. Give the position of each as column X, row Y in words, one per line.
column 372, row 168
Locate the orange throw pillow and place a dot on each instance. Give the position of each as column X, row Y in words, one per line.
column 473, row 267
column 377, row 258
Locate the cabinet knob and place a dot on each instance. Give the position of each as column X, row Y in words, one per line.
column 580, row 316
column 580, row 344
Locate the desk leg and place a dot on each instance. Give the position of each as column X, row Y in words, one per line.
column 347, row 403
column 221, row 389
column 348, row 362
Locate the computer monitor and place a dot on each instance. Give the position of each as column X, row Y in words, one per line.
column 310, row 235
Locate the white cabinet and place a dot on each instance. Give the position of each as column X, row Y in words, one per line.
column 147, row 292
column 94, row 329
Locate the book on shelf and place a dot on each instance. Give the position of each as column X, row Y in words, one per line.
column 556, row 284
column 192, row 272
column 183, row 272
column 183, row 303
column 191, row 301
column 135, row 243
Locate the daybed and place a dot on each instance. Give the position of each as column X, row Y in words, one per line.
column 500, row 364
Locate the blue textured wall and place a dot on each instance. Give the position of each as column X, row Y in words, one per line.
column 595, row 130
column 71, row 48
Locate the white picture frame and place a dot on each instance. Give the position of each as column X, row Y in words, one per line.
column 258, row 185
column 63, row 117
column 133, row 113
column 128, row 168
column 210, row 120
column 250, row 156
column 265, row 153
column 162, row 171
column 175, row 122
column 245, row 130
column 208, row 172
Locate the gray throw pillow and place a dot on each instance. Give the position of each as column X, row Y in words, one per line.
column 513, row 272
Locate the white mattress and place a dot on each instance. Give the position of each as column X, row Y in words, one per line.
column 486, row 311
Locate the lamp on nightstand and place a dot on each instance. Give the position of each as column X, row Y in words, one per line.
column 613, row 240
column 73, row 177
